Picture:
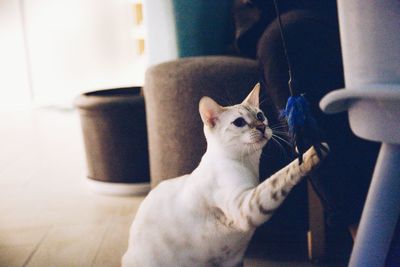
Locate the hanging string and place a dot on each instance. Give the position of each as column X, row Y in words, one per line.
column 285, row 50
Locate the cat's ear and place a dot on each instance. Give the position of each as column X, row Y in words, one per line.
column 209, row 111
column 253, row 99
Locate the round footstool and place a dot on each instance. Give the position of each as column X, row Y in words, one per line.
column 115, row 137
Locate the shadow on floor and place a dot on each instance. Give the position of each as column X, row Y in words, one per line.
column 290, row 249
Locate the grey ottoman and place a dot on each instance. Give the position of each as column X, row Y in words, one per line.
column 172, row 93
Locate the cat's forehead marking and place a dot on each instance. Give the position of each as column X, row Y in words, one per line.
column 248, row 108
column 245, row 109
column 250, row 111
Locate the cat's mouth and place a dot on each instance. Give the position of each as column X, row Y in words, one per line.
column 263, row 139
column 260, row 142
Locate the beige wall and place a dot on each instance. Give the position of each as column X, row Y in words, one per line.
column 14, row 85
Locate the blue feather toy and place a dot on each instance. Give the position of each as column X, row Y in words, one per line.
column 302, row 126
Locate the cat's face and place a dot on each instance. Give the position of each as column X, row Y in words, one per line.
column 240, row 130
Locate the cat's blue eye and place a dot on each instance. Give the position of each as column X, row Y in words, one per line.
column 239, row 122
column 260, row 116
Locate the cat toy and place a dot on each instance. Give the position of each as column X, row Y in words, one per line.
column 303, row 128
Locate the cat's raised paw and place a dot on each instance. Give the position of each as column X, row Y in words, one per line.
column 312, row 159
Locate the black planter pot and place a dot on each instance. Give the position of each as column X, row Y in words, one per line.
column 115, row 137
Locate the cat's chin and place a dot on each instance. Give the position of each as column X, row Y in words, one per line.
column 263, row 141
column 259, row 144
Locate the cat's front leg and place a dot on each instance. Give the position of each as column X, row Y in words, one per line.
column 257, row 205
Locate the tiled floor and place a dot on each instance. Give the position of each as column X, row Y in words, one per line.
column 48, row 217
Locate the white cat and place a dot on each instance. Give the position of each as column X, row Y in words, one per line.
column 208, row 217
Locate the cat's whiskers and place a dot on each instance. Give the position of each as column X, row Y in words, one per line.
column 278, row 126
column 279, row 129
column 281, row 148
column 281, row 132
column 276, row 131
column 277, row 142
column 282, row 139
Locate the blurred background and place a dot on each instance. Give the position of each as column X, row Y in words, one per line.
column 53, row 50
